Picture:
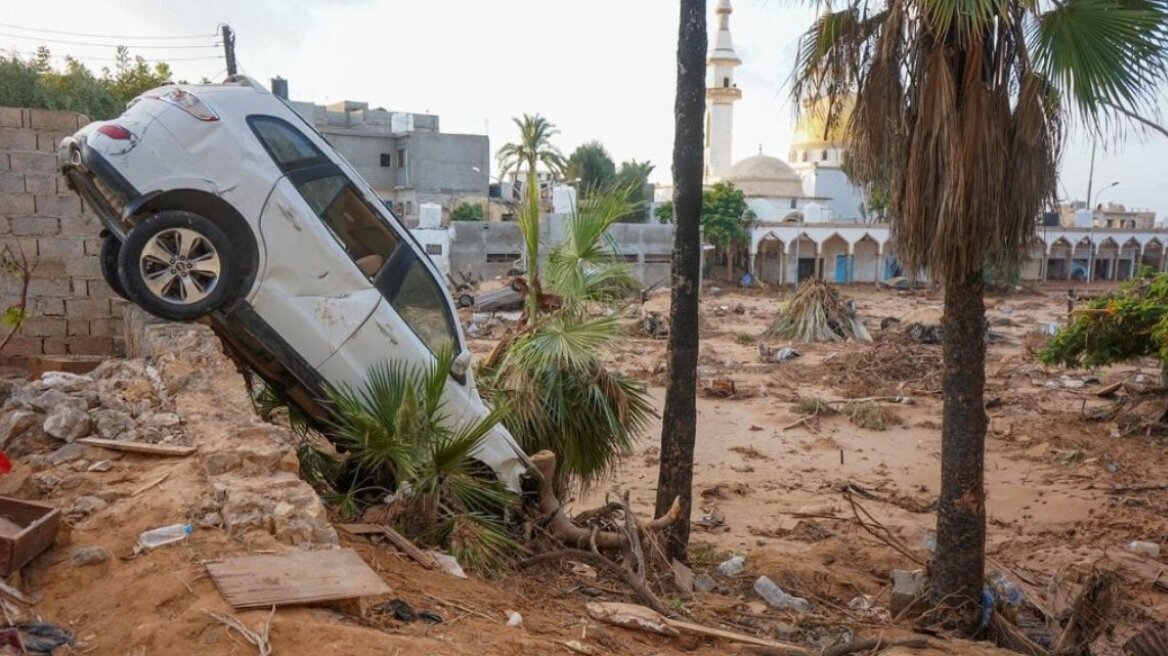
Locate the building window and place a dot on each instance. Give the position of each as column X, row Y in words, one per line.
column 409, row 208
column 433, row 249
column 502, row 258
column 386, row 160
column 803, row 156
column 401, row 158
column 825, row 155
column 725, row 83
column 658, row 258
column 793, row 201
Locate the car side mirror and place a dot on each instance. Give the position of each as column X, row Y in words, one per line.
column 460, row 366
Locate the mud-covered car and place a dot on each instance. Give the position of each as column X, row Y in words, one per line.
column 220, row 201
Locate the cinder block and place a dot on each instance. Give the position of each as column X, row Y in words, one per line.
column 24, row 345
column 35, row 226
column 86, row 225
column 58, row 287
column 16, row 139
column 55, row 346
column 78, row 327
column 11, row 117
column 4, row 162
column 87, row 267
column 62, row 206
column 43, row 119
column 45, row 327
column 107, row 327
column 93, row 246
column 32, row 162
column 12, row 183
column 47, row 141
column 17, row 204
column 41, row 183
column 91, row 346
column 48, row 307
column 61, row 247
column 87, row 308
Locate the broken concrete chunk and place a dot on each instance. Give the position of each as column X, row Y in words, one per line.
column 67, row 453
column 159, row 419
column 85, row 506
column 704, row 583
column 906, row 587
column 67, row 382
column 101, row 466
column 629, row 616
column 50, row 400
column 67, row 423
column 15, row 422
column 89, row 556
column 112, row 424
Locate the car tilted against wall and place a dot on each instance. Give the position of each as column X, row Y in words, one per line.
column 220, row 201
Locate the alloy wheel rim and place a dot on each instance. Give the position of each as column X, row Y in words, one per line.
column 180, row 266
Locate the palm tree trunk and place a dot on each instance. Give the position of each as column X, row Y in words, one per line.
column 679, row 420
column 531, row 245
column 959, row 565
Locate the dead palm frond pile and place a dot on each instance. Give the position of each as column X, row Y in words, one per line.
column 893, row 365
column 817, row 313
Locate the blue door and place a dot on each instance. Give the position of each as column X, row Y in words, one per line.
column 841, row 269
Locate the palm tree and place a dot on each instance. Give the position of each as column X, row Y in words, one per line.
column 679, row 420
column 533, row 148
column 961, row 109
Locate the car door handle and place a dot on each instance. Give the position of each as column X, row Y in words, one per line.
column 290, row 216
column 387, row 330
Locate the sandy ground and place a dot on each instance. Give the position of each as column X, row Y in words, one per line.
column 776, row 487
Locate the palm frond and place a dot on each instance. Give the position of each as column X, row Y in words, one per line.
column 586, row 265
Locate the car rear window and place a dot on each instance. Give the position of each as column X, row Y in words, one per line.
column 287, row 146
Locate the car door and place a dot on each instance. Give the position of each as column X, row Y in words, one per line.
column 312, row 291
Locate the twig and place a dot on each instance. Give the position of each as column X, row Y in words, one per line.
column 466, row 609
column 886, row 537
column 260, row 640
column 21, row 267
column 600, row 562
column 149, row 486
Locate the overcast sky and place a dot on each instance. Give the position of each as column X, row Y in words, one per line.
column 602, row 69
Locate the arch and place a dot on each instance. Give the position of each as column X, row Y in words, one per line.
column 769, row 260
column 835, row 259
column 1128, row 259
column 803, row 257
column 866, row 259
column 1153, row 254
column 1059, row 259
column 793, row 217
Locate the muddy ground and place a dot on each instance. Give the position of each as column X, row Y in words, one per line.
column 770, row 488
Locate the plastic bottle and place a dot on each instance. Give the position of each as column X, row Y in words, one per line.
column 1149, row 549
column 163, row 536
column 774, row 595
column 732, row 566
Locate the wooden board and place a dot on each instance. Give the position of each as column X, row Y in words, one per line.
column 400, row 541
column 296, row 578
column 140, row 447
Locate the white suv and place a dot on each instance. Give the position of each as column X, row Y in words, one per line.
column 220, row 201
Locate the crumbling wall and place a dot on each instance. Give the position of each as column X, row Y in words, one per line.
column 72, row 310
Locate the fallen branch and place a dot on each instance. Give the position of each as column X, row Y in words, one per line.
column 562, row 527
column 262, row 641
column 600, row 562
column 772, row 646
column 883, row 534
column 10, row 262
column 874, row 399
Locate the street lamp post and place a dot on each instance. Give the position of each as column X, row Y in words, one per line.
column 1101, row 193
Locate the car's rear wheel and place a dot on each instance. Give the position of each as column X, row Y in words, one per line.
column 178, row 265
column 110, row 249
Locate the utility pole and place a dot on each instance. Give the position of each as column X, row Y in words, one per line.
column 1091, row 174
column 229, row 48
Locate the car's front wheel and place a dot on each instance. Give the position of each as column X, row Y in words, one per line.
column 178, row 265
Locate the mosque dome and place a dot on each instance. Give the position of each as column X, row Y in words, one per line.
column 812, row 129
column 763, row 176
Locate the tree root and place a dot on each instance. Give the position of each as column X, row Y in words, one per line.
column 600, row 562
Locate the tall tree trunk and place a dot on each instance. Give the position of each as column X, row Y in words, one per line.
column 679, row 421
column 959, row 564
column 530, row 229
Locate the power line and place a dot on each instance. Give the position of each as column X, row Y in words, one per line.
column 104, row 36
column 99, row 45
column 114, row 59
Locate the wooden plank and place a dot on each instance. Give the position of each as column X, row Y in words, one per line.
column 777, row 647
column 140, row 447
column 297, row 578
column 400, row 541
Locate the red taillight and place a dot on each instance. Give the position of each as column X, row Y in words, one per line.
column 189, row 103
column 114, row 131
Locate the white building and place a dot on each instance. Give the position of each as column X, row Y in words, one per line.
column 721, row 94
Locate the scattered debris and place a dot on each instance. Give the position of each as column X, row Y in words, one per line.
column 630, row 616
column 514, row 618
column 261, row 639
column 817, row 313
column 1150, row 641
column 777, row 598
column 295, row 578
column 423, row 558
column 924, row 334
column 907, row 587
column 448, row 563
column 32, row 529
column 1144, row 548
column 140, row 447
column 732, row 566
column 160, row 537
column 781, row 354
column 89, row 556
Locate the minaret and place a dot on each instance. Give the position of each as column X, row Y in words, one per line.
column 721, row 95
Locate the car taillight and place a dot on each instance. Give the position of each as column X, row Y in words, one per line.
column 189, row 103
column 114, row 131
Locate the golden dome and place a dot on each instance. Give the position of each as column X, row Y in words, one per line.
column 812, row 129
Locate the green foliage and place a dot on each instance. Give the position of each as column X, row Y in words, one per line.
column 1002, row 273
column 467, row 212
column 395, row 428
column 587, row 265
column 1127, row 324
column 35, row 83
column 562, row 398
column 725, row 215
column 664, row 212
column 591, row 164
column 634, row 176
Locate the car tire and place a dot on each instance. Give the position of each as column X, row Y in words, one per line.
column 179, row 266
column 110, row 249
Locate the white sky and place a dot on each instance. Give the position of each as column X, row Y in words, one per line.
column 601, row 69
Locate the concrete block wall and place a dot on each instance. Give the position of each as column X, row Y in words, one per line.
column 71, row 309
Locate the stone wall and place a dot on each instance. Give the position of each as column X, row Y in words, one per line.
column 71, row 309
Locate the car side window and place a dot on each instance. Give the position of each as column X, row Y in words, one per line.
column 287, row 146
column 352, row 221
column 419, row 300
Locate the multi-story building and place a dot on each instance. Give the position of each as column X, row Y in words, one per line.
column 403, row 155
